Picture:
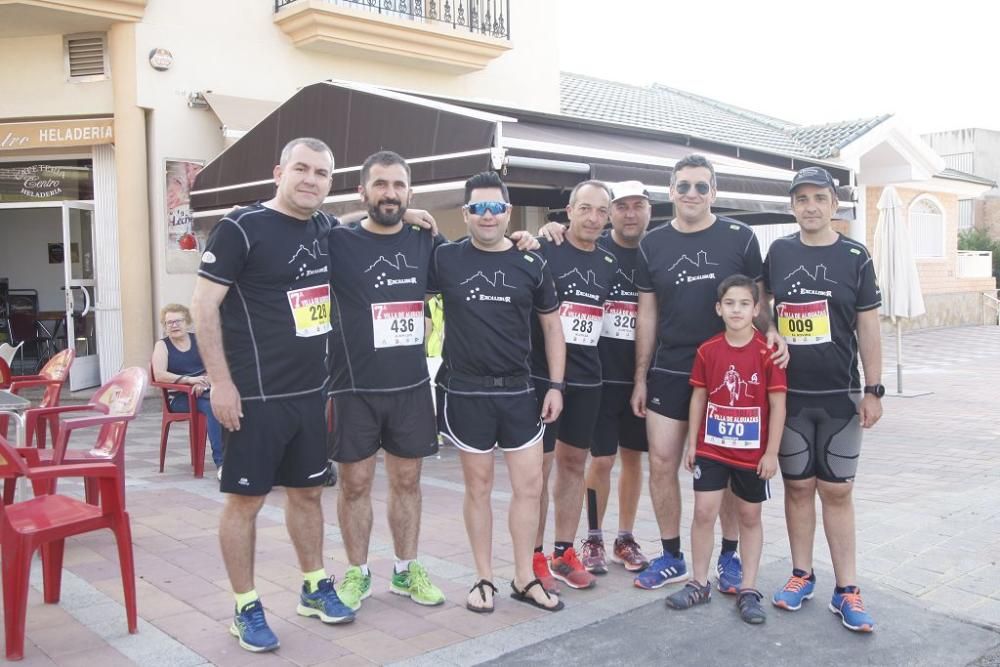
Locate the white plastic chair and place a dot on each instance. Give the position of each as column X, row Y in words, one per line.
column 7, row 353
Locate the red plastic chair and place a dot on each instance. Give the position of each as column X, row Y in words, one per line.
column 6, row 377
column 51, row 378
column 44, row 522
column 197, row 427
column 116, row 403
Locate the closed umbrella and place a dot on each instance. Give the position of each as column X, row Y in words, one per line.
column 896, row 270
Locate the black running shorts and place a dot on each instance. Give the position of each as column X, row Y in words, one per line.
column 280, row 443
column 400, row 422
column 478, row 424
column 617, row 424
column 669, row 395
column 575, row 425
column 713, row 475
column 822, row 437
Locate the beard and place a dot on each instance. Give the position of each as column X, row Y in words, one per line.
column 379, row 217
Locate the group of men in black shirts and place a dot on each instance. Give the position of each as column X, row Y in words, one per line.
column 614, row 318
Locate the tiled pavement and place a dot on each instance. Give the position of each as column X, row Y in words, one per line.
column 928, row 494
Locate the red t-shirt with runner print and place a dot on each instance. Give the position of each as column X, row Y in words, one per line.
column 733, row 429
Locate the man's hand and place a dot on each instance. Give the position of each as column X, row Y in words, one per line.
column 689, row 455
column 552, row 406
column 524, row 240
column 421, row 218
column 638, row 401
column 870, row 410
column 226, row 405
column 768, row 466
column 553, row 231
column 775, row 342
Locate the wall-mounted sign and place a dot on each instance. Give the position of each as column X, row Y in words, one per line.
column 185, row 239
column 56, row 134
column 161, row 59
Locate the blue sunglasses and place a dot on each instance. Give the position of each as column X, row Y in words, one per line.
column 481, row 207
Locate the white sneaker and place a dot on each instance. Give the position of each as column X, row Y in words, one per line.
column 218, row 474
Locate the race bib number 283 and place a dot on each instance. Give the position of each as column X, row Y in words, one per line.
column 581, row 323
column 310, row 310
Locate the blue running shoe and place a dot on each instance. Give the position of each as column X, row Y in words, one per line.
column 662, row 571
column 251, row 628
column 851, row 609
column 730, row 571
column 324, row 604
column 797, row 589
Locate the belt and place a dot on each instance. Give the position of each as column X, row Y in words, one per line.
column 492, row 382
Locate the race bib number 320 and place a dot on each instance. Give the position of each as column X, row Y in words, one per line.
column 804, row 323
column 734, row 427
column 310, row 310
column 398, row 323
column 581, row 323
column 619, row 320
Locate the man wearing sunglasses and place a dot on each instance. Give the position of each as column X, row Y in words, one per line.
column 491, row 289
column 680, row 267
column 584, row 273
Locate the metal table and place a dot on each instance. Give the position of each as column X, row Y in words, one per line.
column 13, row 405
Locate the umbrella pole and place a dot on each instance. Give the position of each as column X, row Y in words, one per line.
column 899, row 358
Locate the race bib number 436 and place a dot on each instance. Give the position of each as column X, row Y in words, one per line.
column 310, row 310
column 581, row 323
column 398, row 323
column 619, row 320
column 734, row 427
column 804, row 323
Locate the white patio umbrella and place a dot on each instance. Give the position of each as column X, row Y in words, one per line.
column 896, row 270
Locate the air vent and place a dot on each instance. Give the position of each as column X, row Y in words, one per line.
column 86, row 56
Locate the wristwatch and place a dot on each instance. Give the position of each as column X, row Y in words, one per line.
column 876, row 390
column 558, row 386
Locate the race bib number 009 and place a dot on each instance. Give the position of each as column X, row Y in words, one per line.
column 398, row 323
column 310, row 310
column 804, row 323
column 733, row 427
column 581, row 323
column 619, row 320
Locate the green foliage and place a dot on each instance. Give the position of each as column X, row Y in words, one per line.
column 979, row 239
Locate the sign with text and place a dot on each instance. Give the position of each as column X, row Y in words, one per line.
column 46, row 181
column 56, row 134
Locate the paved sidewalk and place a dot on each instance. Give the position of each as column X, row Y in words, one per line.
column 928, row 495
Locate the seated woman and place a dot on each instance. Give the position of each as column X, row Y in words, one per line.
column 176, row 361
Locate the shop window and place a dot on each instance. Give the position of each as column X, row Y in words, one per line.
column 86, row 56
column 927, row 228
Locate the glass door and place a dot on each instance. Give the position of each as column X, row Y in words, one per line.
column 81, row 293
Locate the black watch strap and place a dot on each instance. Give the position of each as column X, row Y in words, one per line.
column 558, row 386
column 876, row 390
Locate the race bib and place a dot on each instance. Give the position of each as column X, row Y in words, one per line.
column 734, row 427
column 310, row 310
column 804, row 323
column 619, row 320
column 398, row 323
column 581, row 323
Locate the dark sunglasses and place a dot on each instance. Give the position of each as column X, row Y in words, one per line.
column 481, row 207
column 702, row 187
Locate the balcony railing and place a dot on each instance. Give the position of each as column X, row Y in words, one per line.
column 975, row 264
column 490, row 18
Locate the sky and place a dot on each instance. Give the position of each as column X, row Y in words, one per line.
column 935, row 65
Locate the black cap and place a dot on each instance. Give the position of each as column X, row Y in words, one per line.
column 813, row 176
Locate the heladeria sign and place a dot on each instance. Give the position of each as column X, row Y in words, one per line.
column 56, row 134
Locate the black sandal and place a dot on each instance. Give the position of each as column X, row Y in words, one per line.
column 482, row 585
column 522, row 596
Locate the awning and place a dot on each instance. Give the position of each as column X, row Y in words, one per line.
column 541, row 156
column 238, row 114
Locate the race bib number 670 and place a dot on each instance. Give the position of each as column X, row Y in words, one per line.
column 310, row 310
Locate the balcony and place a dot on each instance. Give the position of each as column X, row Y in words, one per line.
column 975, row 264
column 61, row 17
column 450, row 35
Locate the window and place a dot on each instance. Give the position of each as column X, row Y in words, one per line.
column 86, row 56
column 927, row 228
column 966, row 214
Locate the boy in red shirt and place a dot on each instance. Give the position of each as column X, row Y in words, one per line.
column 737, row 416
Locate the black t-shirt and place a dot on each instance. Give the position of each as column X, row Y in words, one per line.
column 818, row 293
column 488, row 301
column 276, row 314
column 583, row 280
column 378, row 282
column 684, row 269
column 617, row 344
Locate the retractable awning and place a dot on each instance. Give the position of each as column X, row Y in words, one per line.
column 541, row 156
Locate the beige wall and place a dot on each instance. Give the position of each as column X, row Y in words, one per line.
column 33, row 79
